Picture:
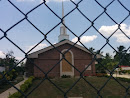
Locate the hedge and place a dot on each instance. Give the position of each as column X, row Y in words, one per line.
column 65, row 76
column 24, row 87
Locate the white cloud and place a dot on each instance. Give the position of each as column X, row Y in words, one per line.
column 2, row 55
column 120, row 37
column 19, row 58
column 85, row 39
column 40, row 46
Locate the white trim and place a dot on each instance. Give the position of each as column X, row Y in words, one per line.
column 67, row 73
column 35, row 54
column 89, row 68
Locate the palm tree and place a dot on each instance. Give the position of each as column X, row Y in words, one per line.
column 121, row 49
column 120, row 52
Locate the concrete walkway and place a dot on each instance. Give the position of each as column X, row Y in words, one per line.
column 12, row 89
column 122, row 76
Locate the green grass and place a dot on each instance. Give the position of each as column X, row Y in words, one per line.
column 81, row 89
column 6, row 86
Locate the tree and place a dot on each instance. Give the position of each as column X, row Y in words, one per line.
column 91, row 49
column 122, row 55
column 120, row 52
column 9, row 61
column 106, row 62
column 21, row 69
column 99, row 52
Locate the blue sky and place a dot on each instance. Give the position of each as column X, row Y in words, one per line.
column 26, row 36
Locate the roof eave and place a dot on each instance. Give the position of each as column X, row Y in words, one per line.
column 35, row 54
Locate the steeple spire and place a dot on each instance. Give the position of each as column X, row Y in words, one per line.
column 63, row 31
column 63, row 11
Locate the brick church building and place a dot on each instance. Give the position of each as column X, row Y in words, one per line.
column 50, row 59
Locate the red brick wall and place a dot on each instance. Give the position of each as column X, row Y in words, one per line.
column 49, row 59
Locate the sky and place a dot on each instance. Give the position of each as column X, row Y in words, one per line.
column 26, row 36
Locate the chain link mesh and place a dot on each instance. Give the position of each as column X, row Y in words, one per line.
column 5, row 35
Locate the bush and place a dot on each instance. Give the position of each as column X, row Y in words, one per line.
column 106, row 76
column 65, row 76
column 24, row 87
column 124, row 71
column 128, row 71
column 11, row 75
column 15, row 95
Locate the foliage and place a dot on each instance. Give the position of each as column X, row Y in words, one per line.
column 110, row 62
column 128, row 71
column 65, row 76
column 9, row 60
column 91, row 49
column 124, row 71
column 121, row 51
column 20, row 69
column 106, row 62
column 24, row 87
column 9, row 76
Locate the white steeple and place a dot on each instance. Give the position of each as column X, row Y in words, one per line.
column 63, row 31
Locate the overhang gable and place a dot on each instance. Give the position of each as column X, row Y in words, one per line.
column 35, row 54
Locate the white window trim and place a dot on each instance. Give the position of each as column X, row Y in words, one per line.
column 89, row 68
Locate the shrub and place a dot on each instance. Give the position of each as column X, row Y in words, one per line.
column 106, row 75
column 24, row 87
column 8, row 78
column 11, row 75
column 128, row 71
column 65, row 76
column 15, row 95
column 124, row 71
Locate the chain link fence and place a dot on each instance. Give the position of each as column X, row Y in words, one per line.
column 44, row 3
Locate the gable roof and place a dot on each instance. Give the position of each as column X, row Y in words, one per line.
column 35, row 54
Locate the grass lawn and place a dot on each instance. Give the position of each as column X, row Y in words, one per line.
column 81, row 89
column 6, row 86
